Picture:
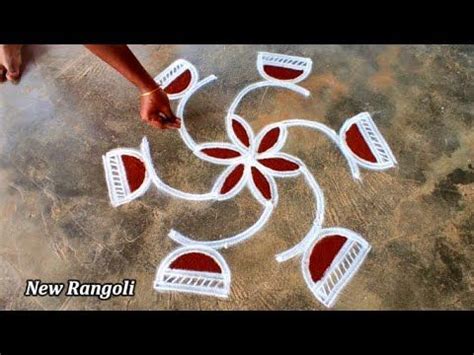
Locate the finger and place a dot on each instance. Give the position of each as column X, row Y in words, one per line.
column 155, row 121
column 169, row 123
column 13, row 71
column 3, row 71
column 166, row 111
column 13, row 76
column 156, row 124
column 165, row 121
column 174, row 124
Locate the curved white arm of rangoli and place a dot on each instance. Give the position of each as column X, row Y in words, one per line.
column 145, row 149
column 257, row 85
column 332, row 135
column 317, row 223
column 188, row 140
column 226, row 242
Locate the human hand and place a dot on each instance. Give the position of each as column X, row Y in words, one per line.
column 156, row 111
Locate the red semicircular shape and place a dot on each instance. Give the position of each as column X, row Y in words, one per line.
column 323, row 254
column 358, row 145
column 179, row 84
column 135, row 171
column 281, row 73
column 196, row 261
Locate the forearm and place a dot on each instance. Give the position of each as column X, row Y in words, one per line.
column 124, row 61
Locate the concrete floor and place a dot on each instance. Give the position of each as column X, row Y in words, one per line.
column 56, row 222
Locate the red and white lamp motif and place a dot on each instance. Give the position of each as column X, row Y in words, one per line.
column 330, row 256
column 126, row 175
column 178, row 78
column 194, row 270
column 361, row 137
column 330, row 262
column 282, row 67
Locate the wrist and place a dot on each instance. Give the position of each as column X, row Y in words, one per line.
column 147, row 86
column 150, row 92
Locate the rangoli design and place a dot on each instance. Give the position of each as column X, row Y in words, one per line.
column 330, row 256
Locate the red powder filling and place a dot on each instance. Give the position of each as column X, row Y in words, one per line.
column 279, row 164
column 196, row 262
column 282, row 73
column 240, row 132
column 232, row 179
column 262, row 183
column 358, row 145
column 223, row 153
column 269, row 140
column 323, row 254
column 135, row 170
column 179, row 84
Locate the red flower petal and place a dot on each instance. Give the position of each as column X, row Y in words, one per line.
column 261, row 183
column 222, row 153
column 232, row 179
column 269, row 140
column 240, row 132
column 279, row 164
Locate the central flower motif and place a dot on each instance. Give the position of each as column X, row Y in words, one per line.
column 253, row 161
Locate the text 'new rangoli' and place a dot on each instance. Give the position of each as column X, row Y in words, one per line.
column 330, row 256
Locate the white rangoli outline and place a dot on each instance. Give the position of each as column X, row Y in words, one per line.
column 254, row 161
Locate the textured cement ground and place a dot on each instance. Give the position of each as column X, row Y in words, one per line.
column 56, row 222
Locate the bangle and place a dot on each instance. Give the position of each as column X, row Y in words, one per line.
column 150, row 92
